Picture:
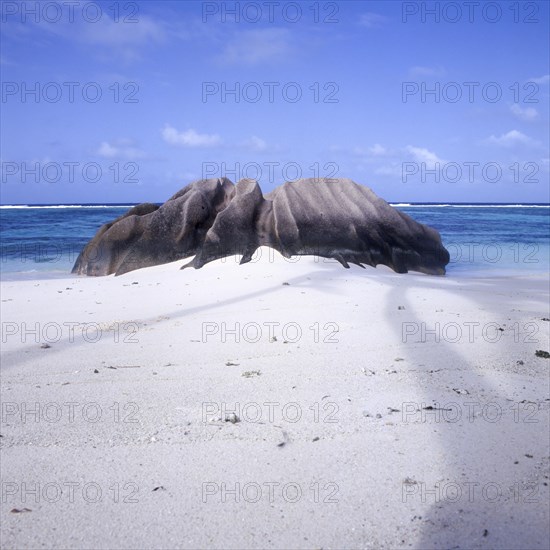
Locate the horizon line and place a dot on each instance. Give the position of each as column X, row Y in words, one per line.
column 399, row 202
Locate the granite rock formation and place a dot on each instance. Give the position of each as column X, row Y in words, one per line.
column 213, row 218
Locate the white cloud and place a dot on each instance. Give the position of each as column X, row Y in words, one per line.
column 544, row 79
column 255, row 144
column 389, row 162
column 392, row 162
column 107, row 150
column 527, row 114
column 511, row 139
column 120, row 149
column 125, row 38
column 257, row 46
column 189, row 138
column 377, row 150
column 108, row 33
column 420, row 154
column 371, row 19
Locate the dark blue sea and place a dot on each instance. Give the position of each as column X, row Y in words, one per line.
column 482, row 239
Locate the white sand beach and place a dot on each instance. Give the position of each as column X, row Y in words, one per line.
column 358, row 409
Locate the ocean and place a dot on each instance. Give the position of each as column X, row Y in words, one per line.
column 43, row 241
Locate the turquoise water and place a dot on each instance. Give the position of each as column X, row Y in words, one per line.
column 490, row 239
column 44, row 241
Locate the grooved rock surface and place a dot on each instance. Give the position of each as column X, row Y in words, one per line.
column 213, row 218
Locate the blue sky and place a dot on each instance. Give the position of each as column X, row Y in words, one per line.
column 166, row 116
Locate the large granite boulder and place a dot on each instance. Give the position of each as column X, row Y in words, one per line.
column 211, row 219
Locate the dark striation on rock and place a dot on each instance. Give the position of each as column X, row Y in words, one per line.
column 213, row 218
